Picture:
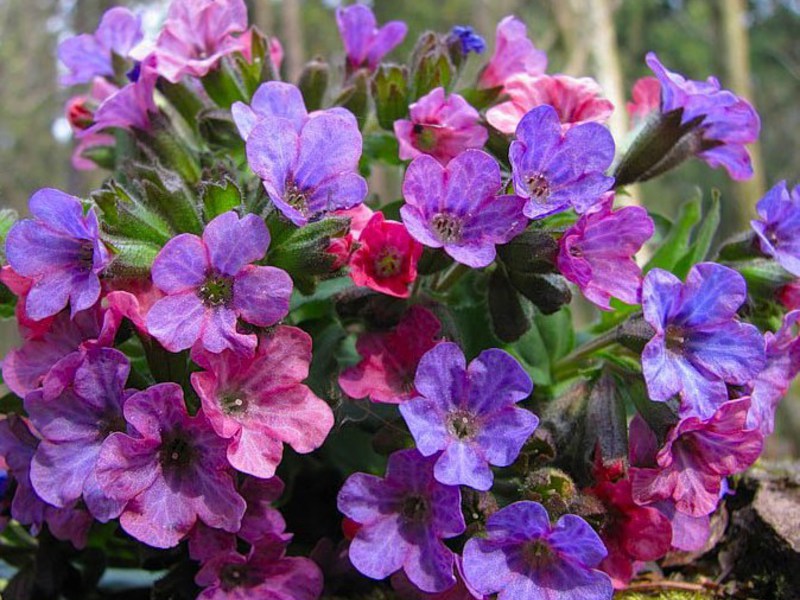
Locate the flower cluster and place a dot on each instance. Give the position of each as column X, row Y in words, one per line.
column 233, row 309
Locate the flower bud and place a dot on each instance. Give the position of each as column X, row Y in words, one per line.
column 390, row 91
column 431, row 66
column 79, row 115
column 313, row 82
column 355, row 97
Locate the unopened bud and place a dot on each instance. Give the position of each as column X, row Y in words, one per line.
column 431, row 65
column 390, row 90
column 313, row 82
column 79, row 115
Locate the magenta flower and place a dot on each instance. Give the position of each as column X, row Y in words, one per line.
column 17, row 448
column 264, row 572
column 469, row 414
column 169, row 469
column 259, row 403
column 131, row 107
column 514, row 54
column 364, row 43
column 440, row 126
column 524, row 556
column 404, row 518
column 390, row 359
column 78, row 407
column 699, row 345
column 309, row 170
column 458, row 208
column 723, row 122
column 91, row 55
column 596, row 253
column 697, row 456
column 555, row 169
column 210, row 283
column 772, row 383
column 575, row 101
column 645, row 99
column 778, row 229
column 61, row 250
column 197, row 34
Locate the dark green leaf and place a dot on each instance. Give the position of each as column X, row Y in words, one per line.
column 509, row 319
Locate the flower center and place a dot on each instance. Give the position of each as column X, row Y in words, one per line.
column 447, row 227
column 295, row 197
column 388, row 262
column 217, row 290
column 675, row 338
column 176, row 451
column 424, row 136
column 109, row 424
column 538, row 187
column 462, row 424
column 86, row 255
column 537, row 553
column 575, row 251
column 234, row 403
column 233, row 576
column 414, row 508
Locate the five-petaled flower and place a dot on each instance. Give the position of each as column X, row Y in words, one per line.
column 778, row 228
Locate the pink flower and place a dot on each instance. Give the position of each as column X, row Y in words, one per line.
column 386, row 373
column 342, row 247
column 169, row 469
column 596, row 253
column 80, row 111
column 514, row 54
column 695, row 459
column 386, row 259
column 197, row 34
column 259, row 403
column 440, row 126
column 20, row 286
column 789, row 295
column 575, row 100
column 646, row 96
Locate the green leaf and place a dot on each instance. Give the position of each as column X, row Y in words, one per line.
column 382, row 147
column 509, row 320
column 703, row 238
column 220, row 198
column 8, row 302
column 482, row 98
column 550, row 338
column 126, row 216
column 676, row 242
column 8, row 216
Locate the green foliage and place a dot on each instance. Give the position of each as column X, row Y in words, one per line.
column 219, row 198
column 550, row 338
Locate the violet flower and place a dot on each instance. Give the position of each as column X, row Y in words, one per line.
column 699, row 345
column 469, row 414
column 439, row 125
column 210, row 284
column 723, row 122
column 458, row 208
column 309, row 171
column 197, row 34
column 61, row 250
column 514, row 54
column 778, row 229
column 555, row 169
column 524, row 556
column 78, row 407
column 596, row 253
column 403, row 519
column 690, row 468
column 364, row 43
column 259, row 403
column 169, row 470
column 91, row 55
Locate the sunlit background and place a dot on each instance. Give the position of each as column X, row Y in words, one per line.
column 752, row 47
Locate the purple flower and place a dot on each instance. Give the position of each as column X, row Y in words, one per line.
column 17, row 448
column 78, row 407
column 469, row 40
column 170, row 470
column 197, row 34
column 723, row 122
column 524, row 556
column 556, row 169
column 778, row 228
column 265, row 572
column 456, row 207
column 130, row 107
column 60, row 249
column 699, row 345
column 596, row 253
column 364, row 43
column 772, row 383
column 310, row 170
column 690, row 468
column 276, row 99
column 210, row 283
column 440, row 126
column 91, row 55
column 469, row 413
column 404, row 518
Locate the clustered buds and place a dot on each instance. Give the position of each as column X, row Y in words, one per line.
column 234, row 309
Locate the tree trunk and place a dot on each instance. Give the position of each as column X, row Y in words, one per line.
column 292, row 22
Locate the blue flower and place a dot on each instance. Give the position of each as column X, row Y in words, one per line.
column 470, row 41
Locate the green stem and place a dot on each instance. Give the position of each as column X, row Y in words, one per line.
column 456, row 272
column 570, row 363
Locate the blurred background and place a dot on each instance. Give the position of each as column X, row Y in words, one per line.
column 752, row 46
